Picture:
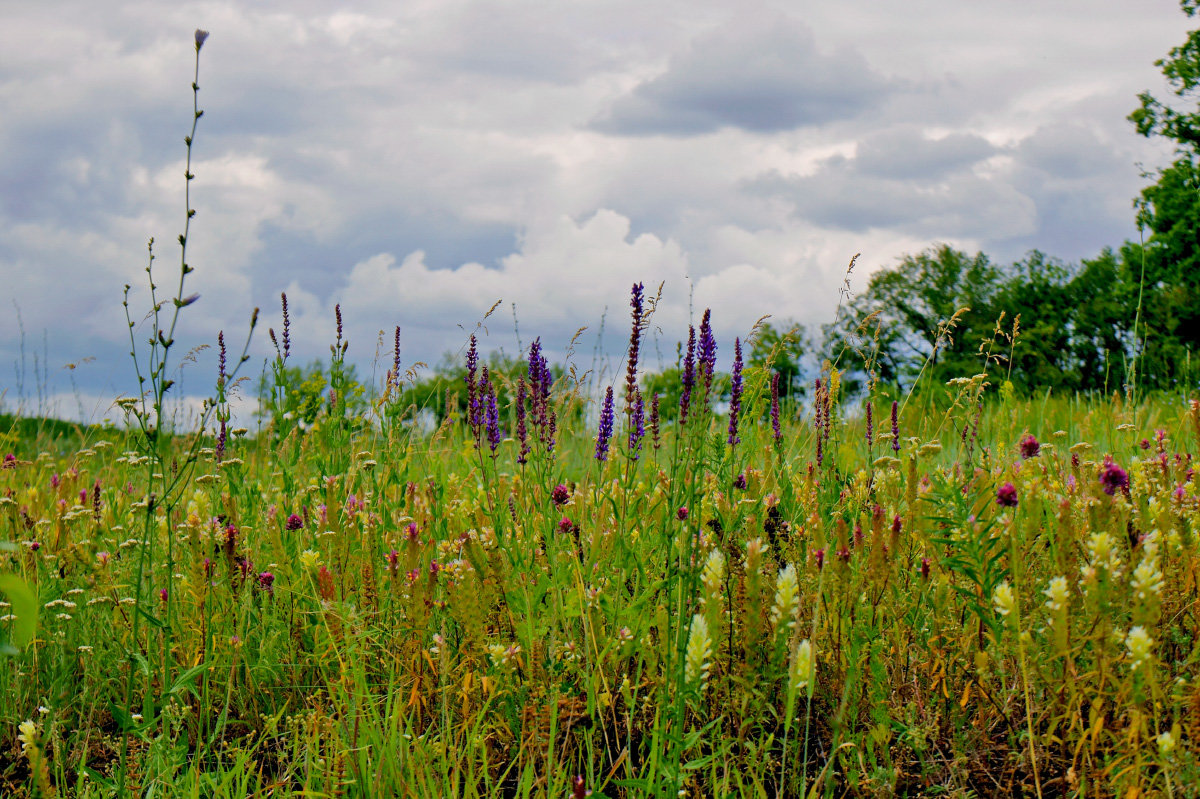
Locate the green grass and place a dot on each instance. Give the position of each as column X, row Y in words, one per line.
column 530, row 654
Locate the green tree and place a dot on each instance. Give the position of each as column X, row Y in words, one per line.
column 913, row 314
column 1169, row 208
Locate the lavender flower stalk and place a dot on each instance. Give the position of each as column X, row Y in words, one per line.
column 707, row 356
column 688, row 377
column 522, row 432
column 287, row 327
column 395, row 381
column 895, row 426
column 635, row 337
column 637, row 424
column 604, row 435
column 870, row 425
column 472, row 386
column 776, row 430
column 735, row 395
column 493, row 420
column 654, row 420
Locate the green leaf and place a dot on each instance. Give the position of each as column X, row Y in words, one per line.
column 185, row 681
column 24, row 607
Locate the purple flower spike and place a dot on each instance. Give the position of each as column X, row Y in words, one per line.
column 604, row 435
column 895, row 426
column 294, row 522
column 735, row 396
column 1006, row 496
column 637, row 425
column 688, row 379
column 635, row 337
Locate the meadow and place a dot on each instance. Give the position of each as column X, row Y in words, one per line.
column 559, row 589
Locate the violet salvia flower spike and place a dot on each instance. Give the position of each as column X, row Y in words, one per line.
column 735, row 393
column 604, row 435
column 287, row 327
column 522, row 431
column 654, row 419
column 492, row 420
column 707, row 358
column 776, row 430
column 637, row 424
column 688, row 379
column 870, row 425
column 635, row 337
column 895, row 426
column 472, row 386
column 396, row 360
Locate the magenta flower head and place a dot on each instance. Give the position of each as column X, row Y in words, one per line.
column 1030, row 448
column 266, row 581
column 1113, row 477
column 682, row 513
column 294, row 522
column 560, row 495
column 1006, row 496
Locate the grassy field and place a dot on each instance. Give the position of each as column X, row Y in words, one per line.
column 557, row 592
column 999, row 599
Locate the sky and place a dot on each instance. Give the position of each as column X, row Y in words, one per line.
column 419, row 163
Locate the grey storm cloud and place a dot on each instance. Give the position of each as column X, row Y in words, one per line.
column 765, row 74
column 903, row 179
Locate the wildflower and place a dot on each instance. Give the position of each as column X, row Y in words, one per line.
column 682, row 513
column 27, row 734
column 604, row 435
column 1030, row 448
column 925, row 569
column 1006, row 496
column 699, row 652
column 1057, row 594
column 1138, row 644
column 801, row 674
column 635, row 302
column 294, row 522
column 1147, row 579
column 1004, row 600
column 1113, row 477
column 713, row 574
column 776, row 430
column 162, row 594
column 787, row 591
column 266, row 581
column 895, row 426
column 688, row 378
column 637, row 425
column 1100, row 549
column 819, row 557
column 310, row 559
column 201, row 36
column 735, row 396
column 566, row 526
column 1166, row 744
column 579, row 788
column 739, row 482
column 103, row 558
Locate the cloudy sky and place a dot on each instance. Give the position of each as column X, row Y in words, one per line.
column 419, row 162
